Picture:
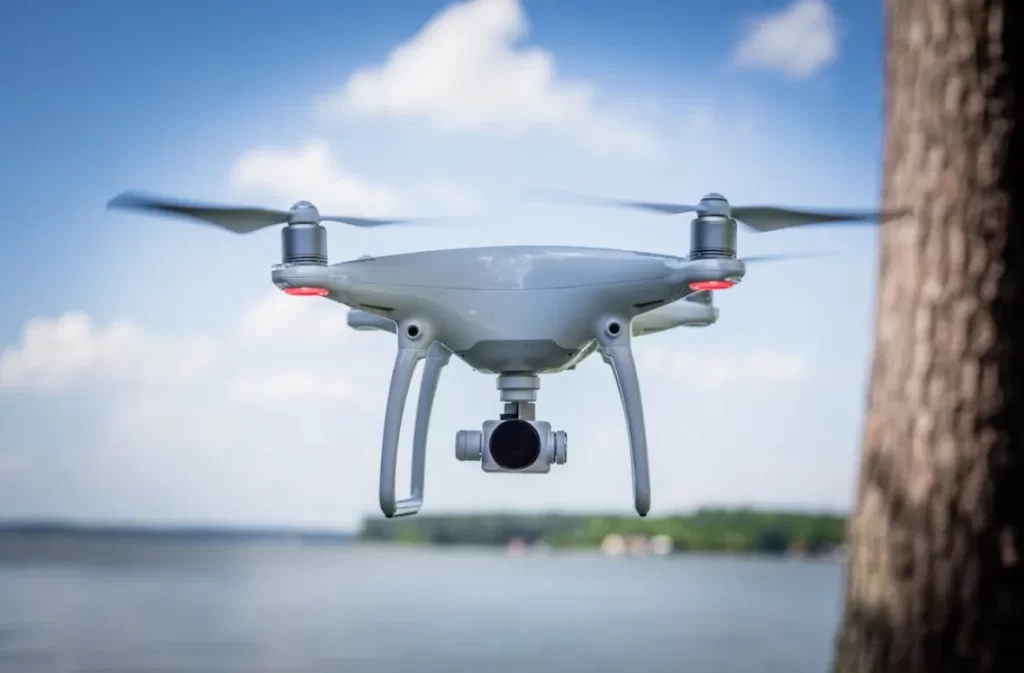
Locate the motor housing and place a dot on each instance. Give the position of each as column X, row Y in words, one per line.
column 304, row 243
column 713, row 231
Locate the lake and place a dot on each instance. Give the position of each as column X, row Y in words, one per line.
column 78, row 606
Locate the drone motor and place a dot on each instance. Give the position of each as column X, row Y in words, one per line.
column 713, row 231
column 304, row 239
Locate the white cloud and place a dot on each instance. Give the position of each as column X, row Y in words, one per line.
column 798, row 40
column 278, row 317
column 451, row 197
column 342, row 361
column 259, row 441
column 55, row 353
column 294, row 385
column 311, row 172
column 465, row 72
column 722, row 369
column 172, row 421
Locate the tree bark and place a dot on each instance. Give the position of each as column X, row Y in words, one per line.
column 935, row 582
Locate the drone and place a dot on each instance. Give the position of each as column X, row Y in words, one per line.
column 514, row 312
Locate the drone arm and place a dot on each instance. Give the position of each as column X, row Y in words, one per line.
column 618, row 354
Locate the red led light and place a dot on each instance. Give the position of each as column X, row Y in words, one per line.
column 306, row 291
column 711, row 285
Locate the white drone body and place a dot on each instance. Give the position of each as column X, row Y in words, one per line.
column 515, row 312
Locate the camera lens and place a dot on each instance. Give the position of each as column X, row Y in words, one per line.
column 515, row 445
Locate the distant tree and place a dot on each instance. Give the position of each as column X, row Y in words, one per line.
column 771, row 541
column 936, row 576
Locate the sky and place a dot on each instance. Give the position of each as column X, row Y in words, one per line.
column 150, row 371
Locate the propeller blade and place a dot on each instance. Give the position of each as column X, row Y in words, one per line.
column 363, row 221
column 440, row 221
column 553, row 196
column 771, row 218
column 240, row 220
column 756, row 259
column 757, row 218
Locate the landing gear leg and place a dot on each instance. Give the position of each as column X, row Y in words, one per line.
column 437, row 357
column 617, row 353
column 409, row 354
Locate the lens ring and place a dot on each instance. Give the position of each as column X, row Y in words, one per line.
column 514, row 444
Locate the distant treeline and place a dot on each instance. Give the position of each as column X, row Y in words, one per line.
column 725, row 530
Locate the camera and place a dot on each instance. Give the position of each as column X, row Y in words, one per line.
column 513, row 445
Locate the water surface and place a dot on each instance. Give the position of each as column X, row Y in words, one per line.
column 140, row 607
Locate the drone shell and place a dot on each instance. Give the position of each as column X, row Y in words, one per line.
column 519, row 308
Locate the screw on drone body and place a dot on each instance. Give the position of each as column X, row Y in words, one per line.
column 413, row 331
column 613, row 328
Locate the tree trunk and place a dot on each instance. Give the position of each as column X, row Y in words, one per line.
column 935, row 582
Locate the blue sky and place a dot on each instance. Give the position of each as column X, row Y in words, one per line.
column 150, row 371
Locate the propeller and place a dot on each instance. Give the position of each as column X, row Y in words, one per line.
column 242, row 219
column 757, row 259
column 757, row 218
